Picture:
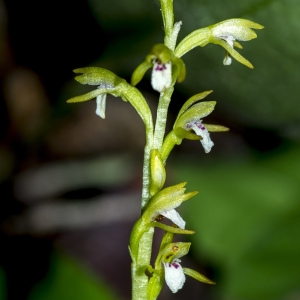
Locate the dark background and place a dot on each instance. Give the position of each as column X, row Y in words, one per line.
column 70, row 182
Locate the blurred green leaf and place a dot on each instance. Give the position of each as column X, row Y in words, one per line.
column 247, row 221
column 68, row 281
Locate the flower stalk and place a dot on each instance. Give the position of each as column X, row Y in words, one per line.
column 159, row 202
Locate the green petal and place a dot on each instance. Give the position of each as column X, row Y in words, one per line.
column 171, row 229
column 237, row 45
column 190, row 102
column 139, row 72
column 87, row 96
column 179, row 67
column 196, row 275
column 234, row 53
column 215, row 128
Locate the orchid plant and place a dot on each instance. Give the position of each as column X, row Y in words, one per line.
column 159, row 202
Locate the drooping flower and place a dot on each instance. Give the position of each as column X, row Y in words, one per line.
column 174, row 275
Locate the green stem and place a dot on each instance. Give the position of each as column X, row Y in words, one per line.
column 139, row 265
column 161, row 118
column 146, row 176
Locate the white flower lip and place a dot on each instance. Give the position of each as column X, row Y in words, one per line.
column 161, row 78
column 101, row 105
column 201, row 131
column 174, row 216
column 174, row 275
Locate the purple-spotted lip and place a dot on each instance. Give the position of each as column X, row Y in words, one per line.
column 160, row 67
column 198, row 124
column 174, row 264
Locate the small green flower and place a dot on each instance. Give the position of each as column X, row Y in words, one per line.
column 190, row 118
column 164, row 203
column 174, row 272
column 166, row 68
column 109, row 83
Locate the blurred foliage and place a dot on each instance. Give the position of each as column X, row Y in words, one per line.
column 263, row 97
column 66, row 280
column 247, row 223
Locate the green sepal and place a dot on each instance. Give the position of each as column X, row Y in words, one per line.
column 233, row 53
column 160, row 52
column 192, row 101
column 216, row 128
column 178, row 69
column 196, row 275
column 172, row 229
column 157, row 172
column 139, row 72
column 196, row 112
column 88, row 96
column 237, row 45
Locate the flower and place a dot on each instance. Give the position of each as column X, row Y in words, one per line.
column 164, row 204
column 201, row 131
column 174, row 275
column 227, row 33
column 169, row 257
column 166, row 68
